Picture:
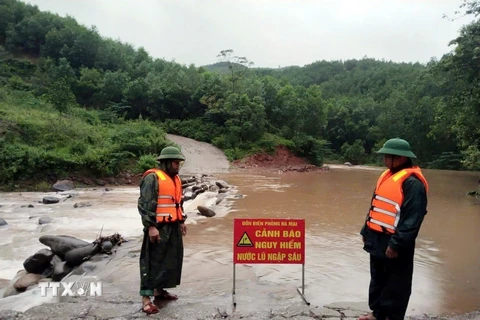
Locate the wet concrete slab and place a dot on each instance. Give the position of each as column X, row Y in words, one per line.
column 124, row 306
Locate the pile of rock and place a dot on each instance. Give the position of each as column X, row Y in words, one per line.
column 192, row 186
column 195, row 185
column 65, row 254
column 304, row 168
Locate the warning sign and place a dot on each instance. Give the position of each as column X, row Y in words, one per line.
column 245, row 241
column 269, row 241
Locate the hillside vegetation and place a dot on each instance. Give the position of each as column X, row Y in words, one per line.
column 72, row 101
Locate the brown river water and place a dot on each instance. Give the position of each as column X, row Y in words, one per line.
column 333, row 204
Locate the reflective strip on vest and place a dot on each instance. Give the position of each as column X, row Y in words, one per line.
column 399, row 174
column 393, row 203
column 383, row 224
column 164, row 215
column 161, row 175
column 166, row 197
column 388, row 213
column 173, row 205
column 396, row 214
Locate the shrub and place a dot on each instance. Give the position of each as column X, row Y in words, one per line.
column 145, row 162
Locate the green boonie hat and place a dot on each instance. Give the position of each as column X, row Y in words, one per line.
column 171, row 153
column 398, row 147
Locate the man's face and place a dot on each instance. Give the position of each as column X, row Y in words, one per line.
column 392, row 161
column 176, row 165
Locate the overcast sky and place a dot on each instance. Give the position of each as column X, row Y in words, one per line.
column 272, row 33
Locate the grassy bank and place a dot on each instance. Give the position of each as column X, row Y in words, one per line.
column 37, row 142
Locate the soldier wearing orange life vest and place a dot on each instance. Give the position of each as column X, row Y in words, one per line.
column 395, row 215
column 161, row 207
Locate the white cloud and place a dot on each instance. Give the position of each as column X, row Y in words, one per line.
column 272, row 33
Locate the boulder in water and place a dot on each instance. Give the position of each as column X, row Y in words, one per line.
column 188, row 185
column 82, row 204
column 64, row 185
column 26, row 281
column 10, row 290
column 44, row 220
column 60, row 270
column 76, row 256
column 38, row 262
column 204, row 211
column 187, row 180
column 221, row 184
column 49, row 270
column 107, row 246
column 50, row 200
column 198, row 191
column 3, row 222
column 62, row 244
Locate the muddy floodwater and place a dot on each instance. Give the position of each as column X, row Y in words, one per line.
column 333, row 204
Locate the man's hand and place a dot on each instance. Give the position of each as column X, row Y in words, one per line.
column 390, row 253
column 153, row 234
column 183, row 228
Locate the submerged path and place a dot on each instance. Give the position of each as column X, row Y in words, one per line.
column 201, row 157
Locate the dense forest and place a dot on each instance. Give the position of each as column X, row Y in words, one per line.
column 72, row 101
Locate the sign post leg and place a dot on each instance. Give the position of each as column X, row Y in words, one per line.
column 302, row 294
column 233, row 291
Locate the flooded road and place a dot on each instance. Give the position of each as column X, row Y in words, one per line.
column 201, row 157
column 333, row 204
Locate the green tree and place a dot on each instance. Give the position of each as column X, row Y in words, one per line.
column 60, row 95
column 238, row 66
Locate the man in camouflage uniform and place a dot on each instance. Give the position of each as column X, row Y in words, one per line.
column 397, row 210
column 161, row 255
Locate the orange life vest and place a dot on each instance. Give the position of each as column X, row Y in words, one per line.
column 387, row 200
column 169, row 207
